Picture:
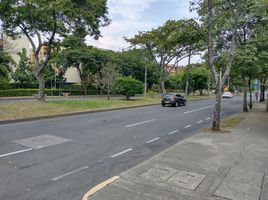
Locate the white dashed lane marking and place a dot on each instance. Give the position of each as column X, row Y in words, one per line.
column 69, row 173
column 153, row 140
column 15, row 152
column 130, row 125
column 121, row 153
column 188, row 126
column 191, row 111
column 172, row 132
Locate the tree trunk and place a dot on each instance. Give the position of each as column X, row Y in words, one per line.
column 250, row 93
column 217, row 109
column 108, row 92
column 85, row 92
column 262, row 94
column 245, row 101
column 267, row 103
column 163, row 87
column 41, row 83
column 208, row 85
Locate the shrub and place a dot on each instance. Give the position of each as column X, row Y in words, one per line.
column 48, row 92
column 127, row 86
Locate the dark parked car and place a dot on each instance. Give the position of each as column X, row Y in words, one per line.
column 173, row 99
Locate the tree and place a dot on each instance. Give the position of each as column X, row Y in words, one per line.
column 222, row 20
column 134, row 62
column 246, row 63
column 5, row 62
column 106, row 77
column 175, row 81
column 127, row 86
column 23, row 73
column 261, row 43
column 200, row 78
column 165, row 44
column 46, row 19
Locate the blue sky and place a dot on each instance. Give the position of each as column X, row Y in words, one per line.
column 130, row 16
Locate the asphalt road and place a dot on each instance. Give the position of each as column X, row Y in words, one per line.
column 61, row 158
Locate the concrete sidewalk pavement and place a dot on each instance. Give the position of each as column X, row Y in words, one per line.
column 208, row 166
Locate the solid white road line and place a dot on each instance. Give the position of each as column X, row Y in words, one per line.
column 70, row 173
column 190, row 111
column 15, row 152
column 152, row 140
column 172, row 132
column 127, row 126
column 208, row 118
column 187, row 126
column 120, row 153
column 199, row 122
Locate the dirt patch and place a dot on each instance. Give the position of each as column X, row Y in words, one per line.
column 226, row 124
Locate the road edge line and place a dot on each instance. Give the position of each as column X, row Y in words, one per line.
column 100, row 186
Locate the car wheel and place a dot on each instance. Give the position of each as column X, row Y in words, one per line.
column 163, row 105
column 184, row 103
column 176, row 104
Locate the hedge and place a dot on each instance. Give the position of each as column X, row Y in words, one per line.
column 48, row 92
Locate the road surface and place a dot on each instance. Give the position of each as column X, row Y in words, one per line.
column 61, row 158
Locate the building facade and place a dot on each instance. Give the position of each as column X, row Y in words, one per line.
column 16, row 46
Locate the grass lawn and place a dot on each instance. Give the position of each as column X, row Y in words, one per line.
column 227, row 123
column 21, row 110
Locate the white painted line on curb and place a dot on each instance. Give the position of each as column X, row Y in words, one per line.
column 120, row 153
column 187, row 126
column 153, row 140
column 171, row 133
column 127, row 126
column 190, row 111
column 208, row 118
column 70, row 173
column 15, row 152
column 199, row 122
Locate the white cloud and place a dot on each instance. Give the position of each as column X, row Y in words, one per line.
column 129, row 9
column 129, row 17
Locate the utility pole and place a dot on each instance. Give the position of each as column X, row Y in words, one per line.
column 188, row 71
column 208, row 83
column 145, row 80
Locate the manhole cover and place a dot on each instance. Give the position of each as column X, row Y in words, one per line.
column 188, row 180
column 41, row 141
column 159, row 174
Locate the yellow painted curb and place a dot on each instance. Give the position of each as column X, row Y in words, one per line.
column 98, row 187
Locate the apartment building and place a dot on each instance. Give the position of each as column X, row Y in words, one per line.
column 15, row 46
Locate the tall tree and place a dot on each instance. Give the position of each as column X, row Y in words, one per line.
column 47, row 19
column 223, row 18
column 23, row 73
column 106, row 77
column 165, row 44
column 246, row 63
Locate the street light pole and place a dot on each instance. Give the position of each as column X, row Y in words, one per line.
column 145, row 80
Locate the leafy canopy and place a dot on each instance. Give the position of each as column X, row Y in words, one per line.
column 127, row 86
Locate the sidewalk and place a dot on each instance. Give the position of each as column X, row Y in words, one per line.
column 208, row 166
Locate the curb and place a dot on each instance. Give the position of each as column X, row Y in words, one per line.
column 98, row 187
column 71, row 114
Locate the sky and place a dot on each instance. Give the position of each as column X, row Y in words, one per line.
column 128, row 17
